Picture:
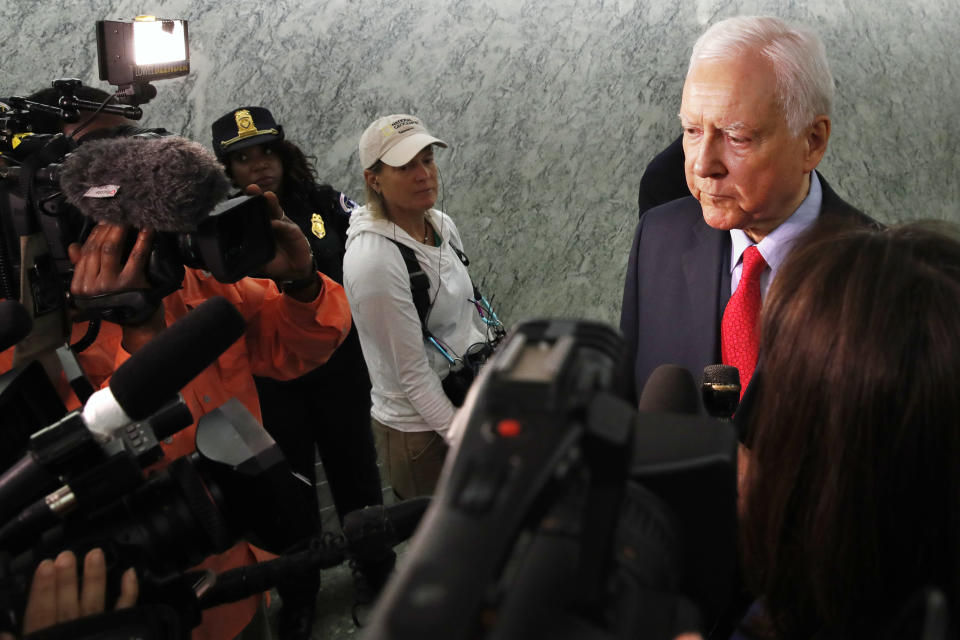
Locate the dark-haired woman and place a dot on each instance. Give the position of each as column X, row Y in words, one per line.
column 851, row 503
column 328, row 408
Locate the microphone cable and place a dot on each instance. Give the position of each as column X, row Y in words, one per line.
column 83, row 125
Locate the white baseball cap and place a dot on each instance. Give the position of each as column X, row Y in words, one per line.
column 394, row 140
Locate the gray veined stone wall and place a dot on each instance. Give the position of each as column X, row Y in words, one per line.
column 552, row 109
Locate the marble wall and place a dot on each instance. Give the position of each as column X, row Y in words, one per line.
column 552, row 109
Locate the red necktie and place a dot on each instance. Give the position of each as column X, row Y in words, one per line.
column 739, row 329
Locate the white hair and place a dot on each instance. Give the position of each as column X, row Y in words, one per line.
column 804, row 83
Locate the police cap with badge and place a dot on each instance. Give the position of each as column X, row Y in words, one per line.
column 243, row 128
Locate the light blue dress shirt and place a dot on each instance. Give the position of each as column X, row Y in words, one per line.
column 777, row 244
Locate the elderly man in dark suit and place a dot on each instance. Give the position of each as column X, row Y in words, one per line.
column 755, row 114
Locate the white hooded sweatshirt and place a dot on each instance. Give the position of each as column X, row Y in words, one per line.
column 405, row 370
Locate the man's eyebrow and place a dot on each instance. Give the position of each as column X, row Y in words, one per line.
column 738, row 127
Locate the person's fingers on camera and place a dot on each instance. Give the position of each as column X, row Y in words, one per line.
column 74, row 251
column 129, row 589
column 68, row 601
column 111, row 251
column 134, row 272
column 41, row 611
column 93, row 592
column 273, row 202
column 91, row 250
column 293, row 258
column 87, row 262
column 99, row 259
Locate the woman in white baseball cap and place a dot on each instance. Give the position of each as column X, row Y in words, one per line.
column 413, row 332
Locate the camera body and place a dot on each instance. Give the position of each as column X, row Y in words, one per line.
column 230, row 241
column 465, row 369
column 562, row 512
column 163, row 523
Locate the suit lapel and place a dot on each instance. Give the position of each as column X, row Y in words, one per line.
column 704, row 268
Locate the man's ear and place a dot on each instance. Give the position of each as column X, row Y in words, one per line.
column 816, row 137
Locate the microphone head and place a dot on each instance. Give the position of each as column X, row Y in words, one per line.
column 721, row 390
column 154, row 374
column 670, row 389
column 15, row 323
column 166, row 183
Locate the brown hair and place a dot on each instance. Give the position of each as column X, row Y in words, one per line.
column 853, row 495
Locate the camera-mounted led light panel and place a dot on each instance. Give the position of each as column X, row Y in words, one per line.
column 141, row 50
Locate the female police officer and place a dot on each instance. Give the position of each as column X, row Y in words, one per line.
column 328, row 407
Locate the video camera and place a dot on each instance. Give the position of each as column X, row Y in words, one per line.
column 565, row 513
column 78, row 482
column 163, row 524
column 229, row 239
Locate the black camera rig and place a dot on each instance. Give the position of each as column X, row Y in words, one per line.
column 565, row 513
column 37, row 224
column 78, row 480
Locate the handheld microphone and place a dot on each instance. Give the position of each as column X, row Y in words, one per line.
column 721, row 390
column 165, row 183
column 140, row 387
column 367, row 531
column 155, row 373
column 669, row 389
column 378, row 528
column 15, row 323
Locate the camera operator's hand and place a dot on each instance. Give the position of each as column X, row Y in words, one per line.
column 55, row 597
column 98, row 269
column 294, row 260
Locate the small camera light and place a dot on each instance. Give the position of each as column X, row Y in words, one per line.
column 142, row 50
column 158, row 41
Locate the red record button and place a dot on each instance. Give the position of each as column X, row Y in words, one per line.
column 509, row 428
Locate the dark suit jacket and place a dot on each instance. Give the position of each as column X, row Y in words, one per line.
column 678, row 283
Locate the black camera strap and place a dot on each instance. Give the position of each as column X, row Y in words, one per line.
column 420, row 283
column 420, row 290
column 462, row 369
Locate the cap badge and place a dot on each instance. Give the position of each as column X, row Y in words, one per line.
column 316, row 226
column 245, row 126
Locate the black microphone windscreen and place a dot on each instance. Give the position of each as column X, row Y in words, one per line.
column 155, row 373
column 406, row 515
column 164, row 183
column 383, row 525
column 720, row 390
column 15, row 323
column 670, row 389
column 721, row 374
